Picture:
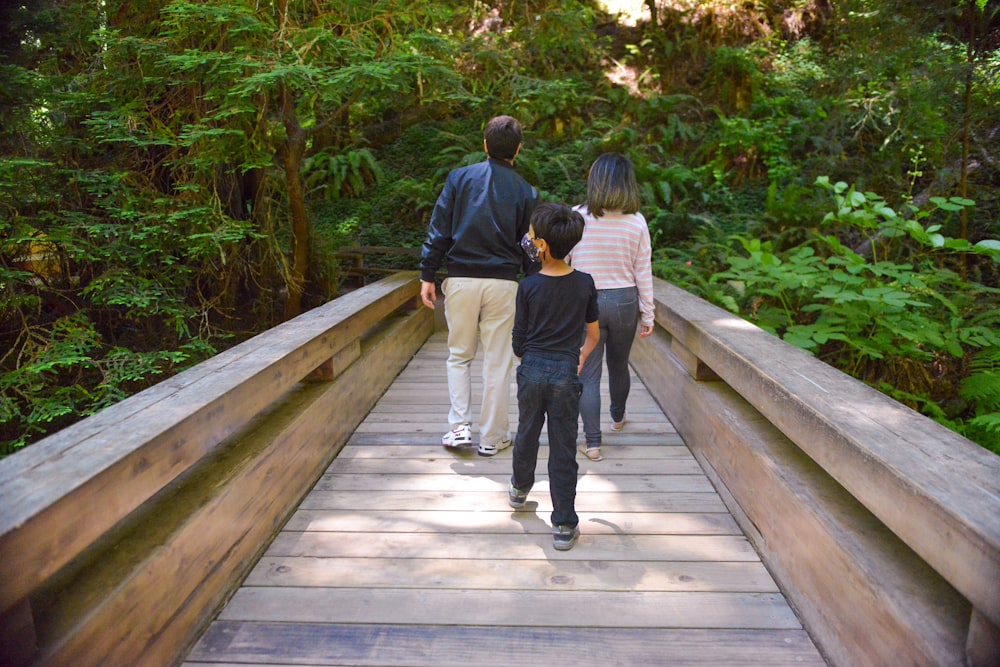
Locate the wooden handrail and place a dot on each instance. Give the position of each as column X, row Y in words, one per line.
column 351, row 251
column 880, row 525
column 64, row 494
column 358, row 255
column 937, row 492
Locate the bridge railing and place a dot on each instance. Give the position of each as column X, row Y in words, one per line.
column 357, row 266
column 881, row 526
column 121, row 535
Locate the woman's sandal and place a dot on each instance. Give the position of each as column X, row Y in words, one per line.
column 592, row 453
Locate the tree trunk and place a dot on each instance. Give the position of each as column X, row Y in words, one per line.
column 291, row 158
column 963, row 182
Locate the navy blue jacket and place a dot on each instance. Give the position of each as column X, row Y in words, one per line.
column 477, row 223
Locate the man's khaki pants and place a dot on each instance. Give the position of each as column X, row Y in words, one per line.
column 480, row 308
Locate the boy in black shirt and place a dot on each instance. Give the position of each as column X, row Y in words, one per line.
column 552, row 307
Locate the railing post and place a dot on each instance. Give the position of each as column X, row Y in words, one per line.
column 335, row 365
column 695, row 367
column 17, row 635
column 982, row 648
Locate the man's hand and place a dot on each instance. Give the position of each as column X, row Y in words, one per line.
column 645, row 330
column 428, row 294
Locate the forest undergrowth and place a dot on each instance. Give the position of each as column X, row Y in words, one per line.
column 178, row 176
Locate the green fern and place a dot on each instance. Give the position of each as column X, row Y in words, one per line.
column 982, row 387
column 339, row 175
column 985, row 429
column 982, row 390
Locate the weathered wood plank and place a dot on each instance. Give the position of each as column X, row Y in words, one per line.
column 497, row 465
column 611, row 441
column 409, row 479
column 469, row 523
column 417, row 414
column 430, row 501
column 432, row 429
column 463, row 645
column 458, row 547
column 608, row 609
column 541, row 574
column 623, row 446
column 422, row 395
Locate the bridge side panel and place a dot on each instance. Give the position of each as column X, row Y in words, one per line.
column 101, row 491
column 864, row 596
column 220, row 519
column 227, row 514
column 121, row 457
column 938, row 492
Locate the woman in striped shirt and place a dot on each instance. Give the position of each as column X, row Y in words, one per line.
column 616, row 251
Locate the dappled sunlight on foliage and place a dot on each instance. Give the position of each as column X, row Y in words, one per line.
column 177, row 176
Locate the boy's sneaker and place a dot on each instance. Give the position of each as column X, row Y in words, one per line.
column 491, row 450
column 458, row 436
column 564, row 537
column 516, row 498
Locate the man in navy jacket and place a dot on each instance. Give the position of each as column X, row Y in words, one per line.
column 475, row 232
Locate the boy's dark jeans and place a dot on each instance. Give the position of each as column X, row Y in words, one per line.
column 548, row 389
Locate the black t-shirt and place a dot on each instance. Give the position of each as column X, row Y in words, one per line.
column 551, row 314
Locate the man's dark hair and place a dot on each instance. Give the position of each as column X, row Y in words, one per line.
column 503, row 136
column 560, row 226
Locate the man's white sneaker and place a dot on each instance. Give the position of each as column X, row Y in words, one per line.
column 491, row 450
column 458, row 436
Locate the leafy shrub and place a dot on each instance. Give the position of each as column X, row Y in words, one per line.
column 68, row 372
column 884, row 311
column 734, row 75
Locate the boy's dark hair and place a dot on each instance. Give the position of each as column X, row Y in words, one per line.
column 560, row 226
column 503, row 136
column 611, row 185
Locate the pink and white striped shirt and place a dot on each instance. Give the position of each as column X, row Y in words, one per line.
column 616, row 251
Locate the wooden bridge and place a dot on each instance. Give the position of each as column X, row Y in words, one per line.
column 288, row 503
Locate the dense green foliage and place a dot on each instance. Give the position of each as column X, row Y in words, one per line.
column 176, row 176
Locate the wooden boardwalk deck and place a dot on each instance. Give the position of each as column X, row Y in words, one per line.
column 406, row 553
